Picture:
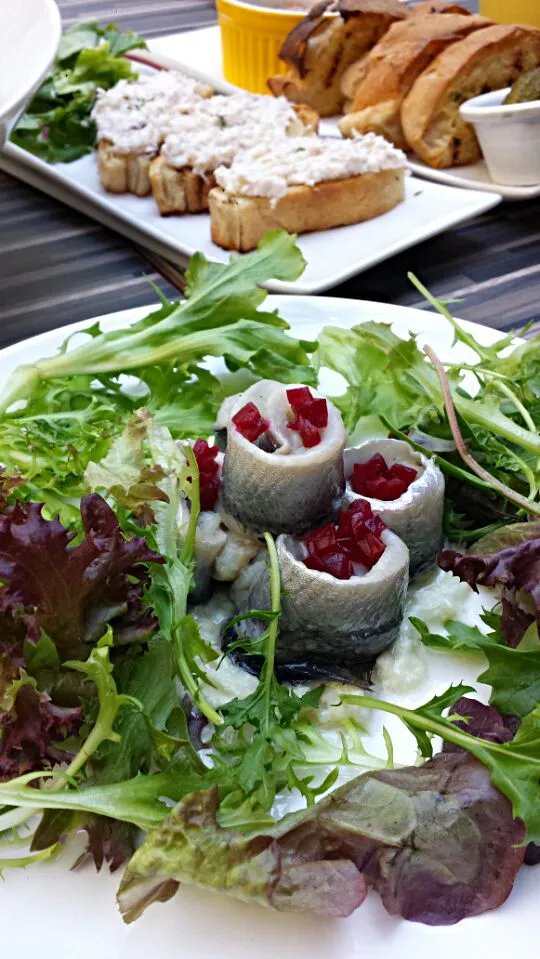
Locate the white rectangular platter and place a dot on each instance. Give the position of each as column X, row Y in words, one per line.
column 332, row 256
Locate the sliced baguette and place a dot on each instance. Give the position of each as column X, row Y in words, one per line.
column 239, row 222
column 179, row 191
column 433, row 6
column 123, row 172
column 486, row 60
column 321, row 48
column 393, row 66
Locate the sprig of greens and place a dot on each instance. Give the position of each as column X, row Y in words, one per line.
column 57, row 125
column 513, row 674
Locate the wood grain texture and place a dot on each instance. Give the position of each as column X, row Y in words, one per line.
column 57, row 266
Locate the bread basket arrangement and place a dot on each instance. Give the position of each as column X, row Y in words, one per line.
column 405, row 74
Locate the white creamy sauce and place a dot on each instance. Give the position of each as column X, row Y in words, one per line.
column 407, row 673
column 306, row 161
column 133, row 112
column 224, row 125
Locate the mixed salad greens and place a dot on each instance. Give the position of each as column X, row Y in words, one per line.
column 57, row 125
column 106, row 723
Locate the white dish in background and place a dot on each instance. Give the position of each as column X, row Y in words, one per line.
column 31, row 31
column 509, row 135
column 200, row 51
column 74, row 913
column 332, row 255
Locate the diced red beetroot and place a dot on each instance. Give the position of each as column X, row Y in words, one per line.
column 368, row 550
column 209, row 492
column 376, row 466
column 299, row 397
column 405, row 473
column 357, row 539
column 338, row 565
column 323, row 540
column 209, row 478
column 311, row 415
column 312, row 561
column 376, row 480
column 385, row 488
column 318, row 413
column 250, row 423
column 375, row 525
column 309, row 434
column 205, row 455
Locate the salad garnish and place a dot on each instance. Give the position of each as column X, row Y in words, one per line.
column 57, row 125
column 114, row 716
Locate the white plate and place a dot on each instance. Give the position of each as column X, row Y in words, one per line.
column 30, row 36
column 200, row 50
column 474, row 177
column 332, row 256
column 58, row 915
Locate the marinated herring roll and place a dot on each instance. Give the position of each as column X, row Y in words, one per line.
column 283, row 467
column 405, row 488
column 347, row 617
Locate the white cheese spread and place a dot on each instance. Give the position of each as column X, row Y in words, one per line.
column 219, row 128
column 295, row 161
column 132, row 113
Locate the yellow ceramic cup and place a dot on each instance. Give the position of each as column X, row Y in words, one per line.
column 251, row 38
column 512, row 11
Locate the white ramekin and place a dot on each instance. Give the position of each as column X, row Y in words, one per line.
column 509, row 136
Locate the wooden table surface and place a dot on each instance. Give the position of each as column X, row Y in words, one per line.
column 57, row 266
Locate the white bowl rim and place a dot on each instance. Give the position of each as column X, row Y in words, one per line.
column 45, row 60
column 474, row 109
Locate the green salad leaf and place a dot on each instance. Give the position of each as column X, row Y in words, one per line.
column 57, row 125
column 513, row 674
column 495, row 399
column 514, row 766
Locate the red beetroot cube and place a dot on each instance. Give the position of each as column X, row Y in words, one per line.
column 376, row 466
column 338, row 565
column 385, row 489
column 322, row 540
column 209, row 492
column 309, row 434
column 375, row 525
column 404, row 473
column 299, row 397
column 368, row 550
column 250, row 423
column 312, row 561
column 318, row 413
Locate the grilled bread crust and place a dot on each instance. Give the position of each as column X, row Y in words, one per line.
column 320, row 49
column 393, row 66
column 239, row 222
column 123, row 172
column 486, row 60
column 179, row 191
column 184, row 191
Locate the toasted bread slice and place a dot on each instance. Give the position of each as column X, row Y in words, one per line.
column 123, row 172
column 486, row 60
column 184, row 191
column 321, row 48
column 393, row 66
column 179, row 191
column 239, row 222
column 433, row 6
